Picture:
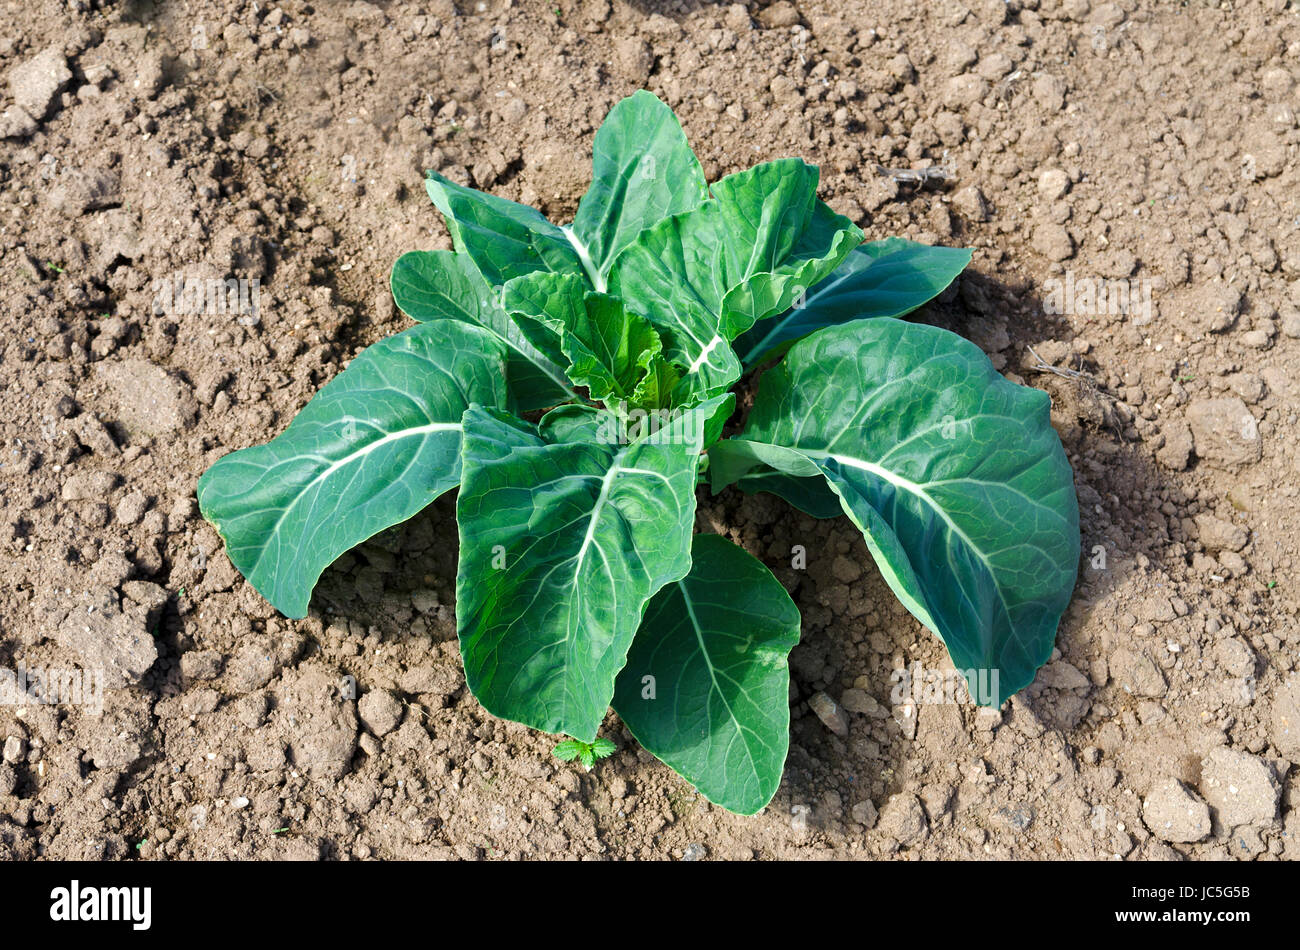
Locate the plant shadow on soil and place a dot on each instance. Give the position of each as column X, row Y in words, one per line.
column 401, row 584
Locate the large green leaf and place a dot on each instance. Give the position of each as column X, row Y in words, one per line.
column 954, row 475
column 705, row 276
column 378, row 443
column 784, row 472
column 503, row 238
column 643, row 170
column 438, row 285
column 706, row 687
column 563, row 539
column 880, row 279
column 810, row 494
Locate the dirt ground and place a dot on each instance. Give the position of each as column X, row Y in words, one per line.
column 1150, row 143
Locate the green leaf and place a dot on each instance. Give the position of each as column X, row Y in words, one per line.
column 825, row 241
column 438, row 285
column 578, row 423
column 604, row 347
column 705, row 276
column 812, row 496
column 561, row 545
column 376, row 445
column 643, row 170
column 716, row 706
column 568, row 750
column 603, row 748
column 610, row 351
column 541, row 304
column 954, row 475
column 504, row 239
column 786, row 473
column 658, row 384
column 880, row 279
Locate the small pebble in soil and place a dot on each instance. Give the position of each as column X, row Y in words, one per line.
column 695, row 852
column 830, row 712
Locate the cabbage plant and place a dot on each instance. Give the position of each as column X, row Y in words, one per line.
column 574, row 381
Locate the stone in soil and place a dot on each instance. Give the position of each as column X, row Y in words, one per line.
column 37, row 81
column 1224, row 432
column 105, row 637
column 380, row 711
column 1286, row 718
column 320, row 725
column 1219, row 535
column 16, row 124
column 1242, row 788
column 150, row 401
column 1136, row 673
column 864, row 813
column 77, row 191
column 1053, row 242
column 830, row 712
column 903, row 819
column 1175, row 814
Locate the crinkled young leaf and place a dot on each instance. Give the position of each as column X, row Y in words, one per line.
column 561, row 545
column 568, row 750
column 436, row 285
column 604, row 347
column 610, row 352
column 705, row 276
column 716, row 704
column 658, row 385
column 643, row 170
column 376, row 445
column 503, row 238
column 880, row 279
column 954, row 475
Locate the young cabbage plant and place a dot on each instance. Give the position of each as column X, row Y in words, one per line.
column 573, row 382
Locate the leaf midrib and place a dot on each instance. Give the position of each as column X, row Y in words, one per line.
column 918, row 490
column 369, row 447
column 602, row 499
column 708, row 662
column 584, row 258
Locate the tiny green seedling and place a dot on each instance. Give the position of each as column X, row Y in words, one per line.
column 585, row 752
column 573, row 382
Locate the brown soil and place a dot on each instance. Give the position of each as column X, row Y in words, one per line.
column 1143, row 140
